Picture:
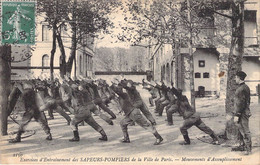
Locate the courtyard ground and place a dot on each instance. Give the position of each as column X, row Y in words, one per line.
column 35, row 149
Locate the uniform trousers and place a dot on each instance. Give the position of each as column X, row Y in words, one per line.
column 137, row 117
column 82, row 113
column 195, row 120
column 40, row 117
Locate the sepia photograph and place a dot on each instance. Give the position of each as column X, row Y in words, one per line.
column 114, row 82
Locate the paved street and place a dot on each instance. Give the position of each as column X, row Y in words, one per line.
column 90, row 150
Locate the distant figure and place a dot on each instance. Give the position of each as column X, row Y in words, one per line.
column 149, row 76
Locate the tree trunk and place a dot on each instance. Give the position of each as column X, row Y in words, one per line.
column 234, row 64
column 63, row 56
column 53, row 51
column 192, row 92
column 73, row 41
column 5, row 81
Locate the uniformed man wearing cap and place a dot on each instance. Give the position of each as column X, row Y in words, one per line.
column 242, row 113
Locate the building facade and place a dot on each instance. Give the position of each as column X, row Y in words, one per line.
column 210, row 55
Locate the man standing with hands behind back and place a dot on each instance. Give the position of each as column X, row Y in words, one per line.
column 242, row 113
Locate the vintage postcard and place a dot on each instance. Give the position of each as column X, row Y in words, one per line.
column 130, row 82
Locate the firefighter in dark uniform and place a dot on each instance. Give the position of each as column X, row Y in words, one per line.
column 159, row 86
column 31, row 111
column 172, row 107
column 90, row 94
column 242, row 113
column 53, row 100
column 82, row 106
column 137, row 100
column 151, row 89
column 98, row 101
column 191, row 118
column 132, row 114
column 165, row 102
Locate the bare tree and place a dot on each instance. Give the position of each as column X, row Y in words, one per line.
column 84, row 18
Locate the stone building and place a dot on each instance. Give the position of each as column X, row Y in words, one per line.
column 210, row 53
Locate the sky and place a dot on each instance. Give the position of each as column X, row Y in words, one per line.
column 108, row 41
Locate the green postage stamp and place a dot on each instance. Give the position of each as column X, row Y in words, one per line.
column 18, row 22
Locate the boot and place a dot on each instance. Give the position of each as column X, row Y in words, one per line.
column 239, row 148
column 17, row 138
column 111, row 123
column 156, row 107
column 104, row 136
column 215, row 139
column 159, row 139
column 151, row 102
column 81, row 123
column 51, row 118
column 169, row 124
column 248, row 150
column 76, row 137
column 112, row 118
column 50, row 113
column 49, row 137
column 160, row 110
column 132, row 123
column 126, row 138
column 187, row 140
column 169, row 118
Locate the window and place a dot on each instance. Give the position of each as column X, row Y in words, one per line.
column 91, row 63
column 88, row 62
column 45, row 33
column 250, row 24
column 205, row 75
column 80, row 65
column 208, row 27
column 197, row 75
column 64, row 34
column 45, row 61
column 201, row 63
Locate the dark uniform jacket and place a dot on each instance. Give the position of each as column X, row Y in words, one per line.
column 242, row 100
column 183, row 104
column 79, row 99
column 134, row 95
column 124, row 99
column 29, row 99
column 97, row 98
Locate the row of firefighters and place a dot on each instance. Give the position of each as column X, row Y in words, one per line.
column 81, row 98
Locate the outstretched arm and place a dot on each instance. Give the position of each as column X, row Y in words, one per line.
column 176, row 92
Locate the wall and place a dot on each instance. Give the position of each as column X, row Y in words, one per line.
column 17, row 74
column 109, row 78
column 251, row 65
column 211, row 66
